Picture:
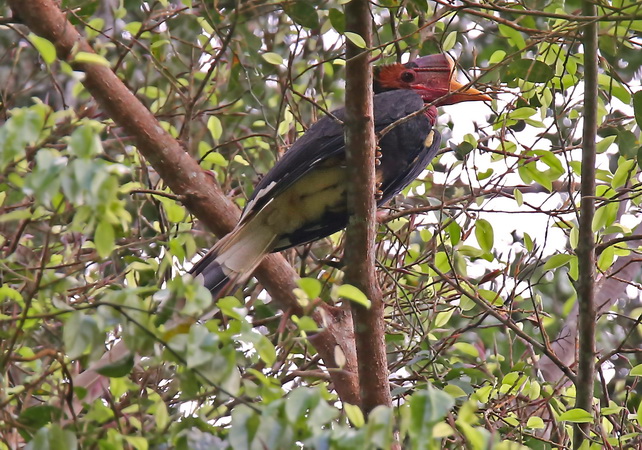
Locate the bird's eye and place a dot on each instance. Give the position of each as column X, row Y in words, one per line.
column 408, row 76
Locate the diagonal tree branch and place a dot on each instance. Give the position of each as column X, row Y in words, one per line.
column 183, row 175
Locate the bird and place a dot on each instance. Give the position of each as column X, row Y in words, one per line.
column 302, row 198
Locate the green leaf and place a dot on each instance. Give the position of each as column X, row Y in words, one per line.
column 519, row 198
column 244, row 425
column 266, row 350
column 381, row 421
column 443, row 318
column 636, row 371
column 306, row 324
column 297, row 403
column 491, row 297
column 483, row 394
column 23, row 127
column 230, row 306
column 442, row 262
column 353, row 293
column 215, row 127
column 137, row 442
column 511, row 420
column 463, row 149
column 53, row 438
column 497, row 57
column 160, row 43
column 205, row 25
column 466, row 303
column 79, row 334
column 613, row 408
column 8, row 293
column 614, row 87
column 637, row 107
column 511, row 379
column 606, row 258
column 273, row 58
column 175, row 211
column 454, row 231
column 320, row 411
column 556, row 261
column 104, row 238
column 161, row 414
column 356, row 39
column 134, row 27
column 311, row 286
column 94, row 26
column 523, row 113
column 427, row 408
column 215, row 158
column 529, row 70
column 484, row 234
column 577, row 415
column 408, row 30
column 627, row 144
column 514, row 36
column 85, row 143
column 624, row 172
column 338, row 20
column 303, row 13
column 355, row 415
column 90, row 58
column 455, row 391
column 604, row 144
column 545, row 178
column 150, row 92
column 44, row 47
column 450, row 41
column 467, row 348
column 398, row 224
column 239, row 159
column 485, row 174
column 37, row 416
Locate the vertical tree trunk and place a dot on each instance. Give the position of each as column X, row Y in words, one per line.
column 586, row 246
column 360, row 253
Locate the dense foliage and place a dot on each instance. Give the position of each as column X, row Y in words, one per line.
column 477, row 258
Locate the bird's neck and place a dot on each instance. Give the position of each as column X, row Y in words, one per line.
column 431, row 114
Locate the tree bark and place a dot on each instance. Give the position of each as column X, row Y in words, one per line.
column 360, row 258
column 586, row 246
column 198, row 191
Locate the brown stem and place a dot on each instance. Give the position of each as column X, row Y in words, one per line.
column 586, row 246
column 369, row 323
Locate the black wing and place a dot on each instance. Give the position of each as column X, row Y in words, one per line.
column 404, row 156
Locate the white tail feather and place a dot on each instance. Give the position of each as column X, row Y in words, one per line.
column 243, row 249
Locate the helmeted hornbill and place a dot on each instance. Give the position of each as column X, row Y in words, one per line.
column 303, row 197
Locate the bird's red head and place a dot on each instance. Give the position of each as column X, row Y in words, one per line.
column 432, row 77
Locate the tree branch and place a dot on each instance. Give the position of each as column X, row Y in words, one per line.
column 586, row 246
column 360, row 258
column 183, row 175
